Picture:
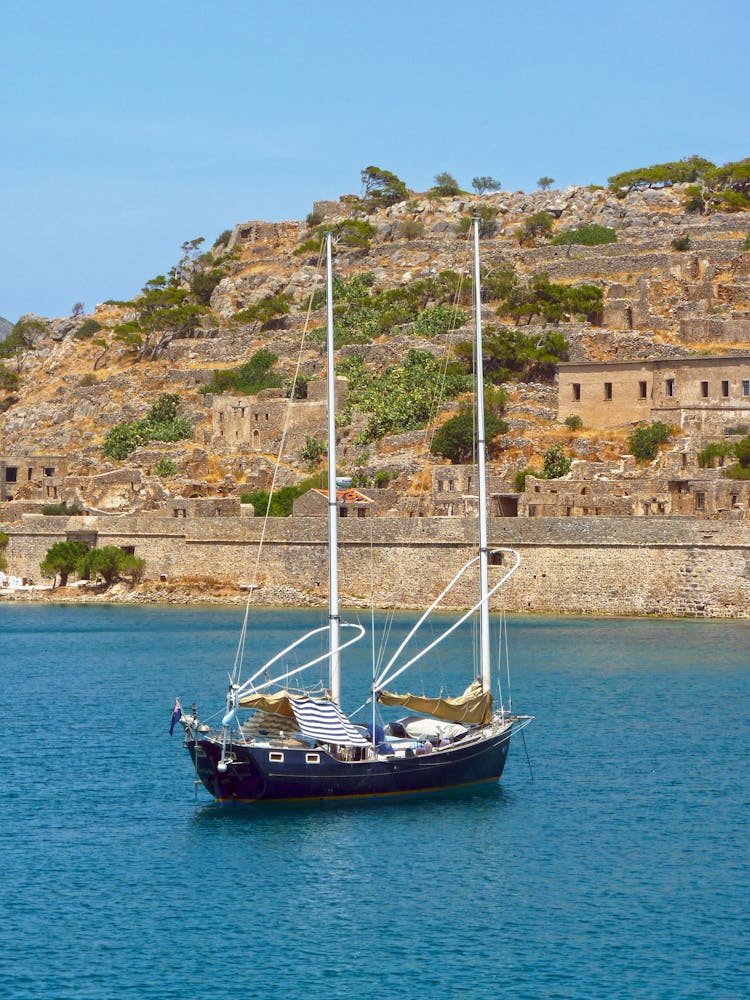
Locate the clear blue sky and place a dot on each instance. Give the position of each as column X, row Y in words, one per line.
column 128, row 127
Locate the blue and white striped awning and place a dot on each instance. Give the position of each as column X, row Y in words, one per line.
column 324, row 721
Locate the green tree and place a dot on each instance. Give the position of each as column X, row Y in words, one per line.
column 4, row 539
column 109, row 562
column 456, row 438
column 381, row 188
column 63, row 558
column 446, row 186
column 645, row 440
column 487, row 221
column 484, row 184
column 160, row 424
column 269, row 312
column 545, row 182
column 684, row 171
column 248, row 379
column 590, row 235
column 537, row 226
column 9, row 380
column 556, row 462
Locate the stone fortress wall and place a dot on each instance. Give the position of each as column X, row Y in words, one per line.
column 590, row 565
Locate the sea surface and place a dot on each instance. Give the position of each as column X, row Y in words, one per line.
column 620, row 870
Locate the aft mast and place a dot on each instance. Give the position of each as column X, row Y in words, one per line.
column 484, row 611
column 334, row 617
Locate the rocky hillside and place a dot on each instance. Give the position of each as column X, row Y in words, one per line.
column 673, row 282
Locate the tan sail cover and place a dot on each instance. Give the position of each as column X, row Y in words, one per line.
column 474, row 706
column 277, row 703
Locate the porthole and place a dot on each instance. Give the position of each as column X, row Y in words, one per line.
column 312, row 758
column 275, row 756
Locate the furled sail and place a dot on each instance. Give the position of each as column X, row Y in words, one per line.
column 277, row 703
column 474, row 706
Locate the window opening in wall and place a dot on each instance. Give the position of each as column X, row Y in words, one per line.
column 256, row 439
column 532, row 510
column 746, row 387
column 725, row 388
column 700, row 501
column 496, row 559
column 643, row 389
column 735, row 498
column 608, row 390
column 343, row 512
column 11, row 474
column 669, row 387
column 440, row 485
column 704, row 390
column 576, row 387
column 221, row 416
column 129, row 550
column 267, row 417
column 361, row 512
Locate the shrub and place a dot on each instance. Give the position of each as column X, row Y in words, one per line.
column 590, row 235
column 487, row 221
column 165, row 467
column 382, row 478
column 354, row 233
column 742, row 452
column 714, row 450
column 411, row 229
column 247, row 380
column 519, row 480
column 203, row 283
column 161, row 424
column 537, row 226
column 87, row 329
column 438, row 319
column 446, row 186
column 313, row 450
column 62, row 509
column 313, row 219
column 681, row 243
column 403, row 397
column 9, row 380
column 268, row 312
column 87, row 380
column 746, row 244
column 545, row 182
column 645, row 440
column 281, row 501
column 556, row 462
column 573, row 422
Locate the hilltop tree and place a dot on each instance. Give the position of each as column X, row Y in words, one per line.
column 484, row 184
column 446, row 186
column 545, row 182
column 381, row 188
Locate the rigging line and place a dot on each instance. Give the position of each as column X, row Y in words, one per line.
column 239, row 656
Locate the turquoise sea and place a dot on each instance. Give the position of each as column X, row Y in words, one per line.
column 621, row 870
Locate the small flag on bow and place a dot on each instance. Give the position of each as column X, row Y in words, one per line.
column 176, row 715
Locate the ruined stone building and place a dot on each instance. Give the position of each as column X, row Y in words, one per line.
column 257, row 423
column 704, row 395
column 32, row 477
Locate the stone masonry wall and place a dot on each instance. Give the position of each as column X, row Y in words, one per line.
column 600, row 565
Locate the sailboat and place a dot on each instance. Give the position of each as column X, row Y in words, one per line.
column 279, row 744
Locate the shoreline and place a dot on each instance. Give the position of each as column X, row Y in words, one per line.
column 281, row 599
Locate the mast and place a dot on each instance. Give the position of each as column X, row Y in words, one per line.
column 334, row 618
column 484, row 611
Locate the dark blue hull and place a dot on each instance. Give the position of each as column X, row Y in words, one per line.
column 288, row 774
